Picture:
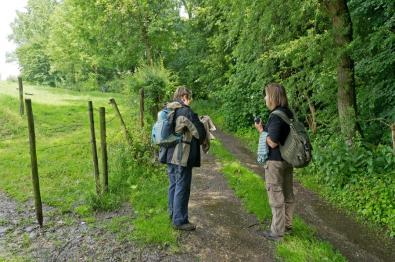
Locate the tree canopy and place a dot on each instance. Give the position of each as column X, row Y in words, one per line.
column 225, row 49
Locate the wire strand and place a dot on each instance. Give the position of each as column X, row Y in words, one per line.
column 46, row 148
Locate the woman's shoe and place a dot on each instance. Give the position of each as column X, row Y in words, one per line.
column 185, row 227
column 269, row 235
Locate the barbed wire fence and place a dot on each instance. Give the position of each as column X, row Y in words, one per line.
column 44, row 131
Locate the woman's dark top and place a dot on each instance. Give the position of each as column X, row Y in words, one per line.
column 278, row 131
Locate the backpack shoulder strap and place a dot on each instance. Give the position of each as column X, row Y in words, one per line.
column 282, row 115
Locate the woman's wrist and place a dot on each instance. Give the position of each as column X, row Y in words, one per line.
column 259, row 127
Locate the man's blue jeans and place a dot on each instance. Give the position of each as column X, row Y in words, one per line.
column 179, row 190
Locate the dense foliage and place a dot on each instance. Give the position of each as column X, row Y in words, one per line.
column 88, row 43
column 30, row 33
column 228, row 50
column 373, row 50
column 359, row 178
column 156, row 83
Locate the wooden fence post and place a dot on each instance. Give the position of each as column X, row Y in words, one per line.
column 104, row 147
column 33, row 158
column 142, row 107
column 20, row 88
column 94, row 148
column 115, row 106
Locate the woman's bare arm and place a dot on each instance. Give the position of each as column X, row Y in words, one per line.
column 270, row 142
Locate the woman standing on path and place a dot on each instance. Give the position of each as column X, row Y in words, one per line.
column 182, row 157
column 278, row 173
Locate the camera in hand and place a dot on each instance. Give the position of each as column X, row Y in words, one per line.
column 257, row 119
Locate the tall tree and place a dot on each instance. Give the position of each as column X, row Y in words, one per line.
column 93, row 41
column 30, row 32
column 96, row 40
column 346, row 97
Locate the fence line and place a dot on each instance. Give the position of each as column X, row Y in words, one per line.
column 71, row 126
column 48, row 131
column 13, row 137
column 62, row 127
column 45, row 148
column 43, row 130
column 40, row 131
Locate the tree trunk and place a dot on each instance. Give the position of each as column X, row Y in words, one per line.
column 187, row 8
column 346, row 97
column 146, row 41
column 311, row 119
column 144, row 22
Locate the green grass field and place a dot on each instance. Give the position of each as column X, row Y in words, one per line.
column 65, row 159
column 63, row 144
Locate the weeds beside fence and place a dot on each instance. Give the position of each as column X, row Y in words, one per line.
column 65, row 164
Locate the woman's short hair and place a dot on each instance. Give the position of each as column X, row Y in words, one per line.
column 182, row 91
column 276, row 94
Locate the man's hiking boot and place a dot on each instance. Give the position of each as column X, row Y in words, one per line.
column 185, row 227
column 269, row 235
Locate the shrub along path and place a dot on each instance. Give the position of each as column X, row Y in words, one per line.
column 355, row 241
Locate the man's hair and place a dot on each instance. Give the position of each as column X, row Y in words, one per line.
column 182, row 91
column 276, row 94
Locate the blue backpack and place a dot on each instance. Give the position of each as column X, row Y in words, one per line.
column 163, row 130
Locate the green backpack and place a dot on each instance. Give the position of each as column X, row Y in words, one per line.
column 297, row 147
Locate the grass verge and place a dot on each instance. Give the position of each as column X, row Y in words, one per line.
column 302, row 245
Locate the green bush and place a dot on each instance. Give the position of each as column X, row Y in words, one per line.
column 359, row 178
column 119, row 83
column 157, row 83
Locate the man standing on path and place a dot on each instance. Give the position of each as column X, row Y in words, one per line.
column 278, row 173
column 182, row 157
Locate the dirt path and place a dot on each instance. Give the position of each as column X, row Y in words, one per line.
column 355, row 241
column 225, row 232
column 66, row 238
